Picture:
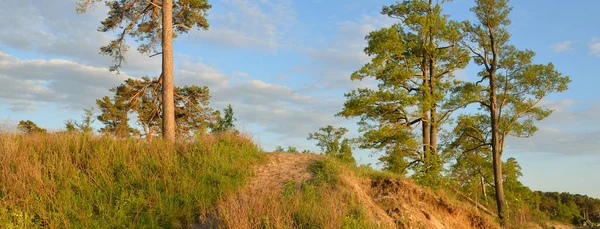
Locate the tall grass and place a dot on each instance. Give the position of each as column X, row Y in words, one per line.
column 74, row 181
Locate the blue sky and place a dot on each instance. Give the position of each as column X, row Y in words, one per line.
column 284, row 66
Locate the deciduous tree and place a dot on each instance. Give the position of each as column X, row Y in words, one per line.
column 332, row 142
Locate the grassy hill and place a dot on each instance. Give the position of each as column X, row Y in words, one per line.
column 75, row 181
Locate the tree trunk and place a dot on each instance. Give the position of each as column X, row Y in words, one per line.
column 496, row 147
column 425, row 116
column 433, row 125
column 430, row 99
column 168, row 111
column 482, row 182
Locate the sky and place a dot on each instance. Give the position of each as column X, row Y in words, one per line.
column 285, row 65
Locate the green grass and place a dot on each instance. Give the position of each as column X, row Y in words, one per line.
column 72, row 181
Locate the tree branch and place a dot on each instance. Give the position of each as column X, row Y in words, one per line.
column 155, row 54
column 154, row 4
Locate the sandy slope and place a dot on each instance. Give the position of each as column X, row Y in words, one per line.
column 392, row 203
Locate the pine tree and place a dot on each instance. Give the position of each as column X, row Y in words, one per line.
column 225, row 123
column 413, row 61
column 511, row 86
column 29, row 127
column 152, row 23
column 114, row 117
column 70, row 126
column 142, row 97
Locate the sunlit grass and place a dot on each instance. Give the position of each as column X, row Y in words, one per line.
column 74, row 181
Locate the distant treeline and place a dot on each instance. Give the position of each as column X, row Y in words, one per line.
column 571, row 208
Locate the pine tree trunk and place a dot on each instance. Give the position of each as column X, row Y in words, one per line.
column 496, row 148
column 168, row 111
column 433, row 125
column 425, row 117
column 430, row 98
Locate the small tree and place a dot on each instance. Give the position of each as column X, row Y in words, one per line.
column 345, row 153
column 85, row 126
column 328, row 139
column 292, row 149
column 70, row 126
column 29, row 127
column 225, row 123
column 114, row 117
column 279, row 149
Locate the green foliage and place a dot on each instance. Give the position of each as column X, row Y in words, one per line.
column 29, row 127
column 570, row 208
column 325, row 172
column 141, row 20
column 509, row 91
column 345, row 153
column 520, row 85
column 70, row 126
column 114, row 117
column 413, row 61
column 72, row 181
column 143, row 97
column 292, row 149
column 85, row 126
column 192, row 113
column 328, row 139
column 225, row 123
column 279, row 149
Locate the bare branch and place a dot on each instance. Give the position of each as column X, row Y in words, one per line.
column 154, row 4
column 155, row 54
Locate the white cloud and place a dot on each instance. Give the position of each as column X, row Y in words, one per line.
column 53, row 29
column 595, row 46
column 567, row 131
column 68, row 84
column 197, row 73
column 276, row 109
column 249, row 24
column 562, row 47
column 343, row 53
